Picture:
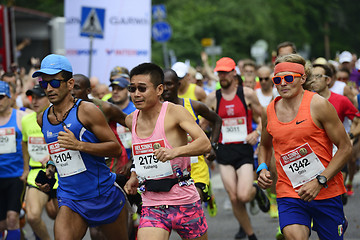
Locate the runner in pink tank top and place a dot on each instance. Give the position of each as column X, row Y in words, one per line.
column 161, row 160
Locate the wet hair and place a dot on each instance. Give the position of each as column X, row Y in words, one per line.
column 285, row 44
column 155, row 72
column 84, row 79
column 328, row 71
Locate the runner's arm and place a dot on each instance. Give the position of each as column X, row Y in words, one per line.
column 324, row 116
column 325, row 113
column 114, row 113
column 200, row 144
column 108, row 145
column 215, row 120
column 265, row 154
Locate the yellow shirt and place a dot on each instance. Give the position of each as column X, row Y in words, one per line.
column 199, row 168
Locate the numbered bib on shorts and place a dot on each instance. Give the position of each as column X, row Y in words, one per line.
column 7, row 140
column 124, row 135
column 146, row 164
column 234, row 130
column 67, row 162
column 301, row 165
column 37, row 148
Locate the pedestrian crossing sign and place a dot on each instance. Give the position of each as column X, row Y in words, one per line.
column 92, row 22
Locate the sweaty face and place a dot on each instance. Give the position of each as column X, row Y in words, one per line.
column 170, row 88
column 5, row 103
column 119, row 94
column 79, row 91
column 318, row 80
column 56, row 95
column 264, row 75
column 144, row 99
column 226, row 79
column 289, row 90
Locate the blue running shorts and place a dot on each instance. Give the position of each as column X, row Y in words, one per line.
column 328, row 215
column 99, row 210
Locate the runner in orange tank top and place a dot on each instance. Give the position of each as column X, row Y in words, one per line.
column 301, row 127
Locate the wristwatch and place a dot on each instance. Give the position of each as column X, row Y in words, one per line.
column 215, row 146
column 322, row 180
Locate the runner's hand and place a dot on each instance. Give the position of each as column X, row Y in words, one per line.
column 50, row 172
column 309, row 190
column 252, row 138
column 264, row 179
column 163, row 154
column 211, row 156
column 131, row 186
column 68, row 140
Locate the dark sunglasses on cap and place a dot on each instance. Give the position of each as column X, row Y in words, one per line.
column 133, row 88
column 55, row 83
column 265, row 78
column 289, row 78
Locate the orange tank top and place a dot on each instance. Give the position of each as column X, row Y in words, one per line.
column 301, row 131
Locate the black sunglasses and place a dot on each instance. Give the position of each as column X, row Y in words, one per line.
column 55, row 83
column 132, row 89
column 2, row 96
column 265, row 78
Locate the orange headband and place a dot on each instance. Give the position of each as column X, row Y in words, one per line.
column 289, row 67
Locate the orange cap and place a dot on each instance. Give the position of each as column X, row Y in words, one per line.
column 225, row 64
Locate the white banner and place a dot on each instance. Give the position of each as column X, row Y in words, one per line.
column 126, row 42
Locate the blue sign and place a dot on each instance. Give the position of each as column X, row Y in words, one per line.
column 92, row 22
column 159, row 12
column 161, row 31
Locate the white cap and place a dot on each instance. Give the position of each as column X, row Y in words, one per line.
column 345, row 56
column 181, row 69
column 198, row 76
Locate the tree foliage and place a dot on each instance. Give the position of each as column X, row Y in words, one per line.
column 236, row 25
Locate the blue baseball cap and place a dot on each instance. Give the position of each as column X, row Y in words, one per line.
column 4, row 89
column 121, row 82
column 53, row 64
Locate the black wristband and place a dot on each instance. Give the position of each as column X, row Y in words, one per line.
column 215, row 146
column 351, row 136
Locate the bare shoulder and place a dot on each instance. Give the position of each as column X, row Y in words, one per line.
column 318, row 102
column 177, row 111
column 248, row 91
column 211, row 100
column 39, row 118
column 128, row 120
column 321, row 108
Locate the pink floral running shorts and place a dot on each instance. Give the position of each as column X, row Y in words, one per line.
column 188, row 220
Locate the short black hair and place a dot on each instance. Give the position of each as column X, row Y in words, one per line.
column 84, row 79
column 155, row 72
column 173, row 75
column 66, row 75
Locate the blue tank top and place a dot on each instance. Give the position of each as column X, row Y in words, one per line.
column 11, row 164
column 97, row 178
